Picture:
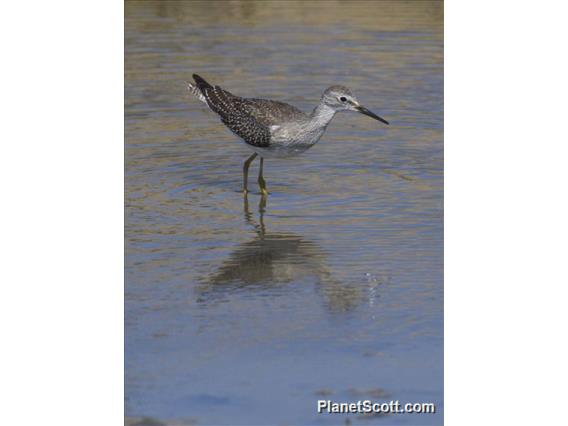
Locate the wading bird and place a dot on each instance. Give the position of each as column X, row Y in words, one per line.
column 275, row 129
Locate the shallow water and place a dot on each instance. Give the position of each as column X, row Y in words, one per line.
column 243, row 313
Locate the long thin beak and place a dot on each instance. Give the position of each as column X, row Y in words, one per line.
column 371, row 114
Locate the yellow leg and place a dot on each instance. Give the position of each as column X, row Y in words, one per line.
column 246, row 172
column 261, row 181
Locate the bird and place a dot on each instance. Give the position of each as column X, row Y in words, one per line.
column 274, row 129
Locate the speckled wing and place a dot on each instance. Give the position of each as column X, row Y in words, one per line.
column 236, row 116
column 272, row 113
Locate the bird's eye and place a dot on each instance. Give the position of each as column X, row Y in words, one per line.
column 343, row 99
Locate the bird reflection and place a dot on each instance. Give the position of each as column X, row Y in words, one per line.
column 271, row 260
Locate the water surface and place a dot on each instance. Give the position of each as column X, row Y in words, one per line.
column 242, row 313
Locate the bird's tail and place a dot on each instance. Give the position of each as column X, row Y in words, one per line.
column 201, row 83
column 197, row 88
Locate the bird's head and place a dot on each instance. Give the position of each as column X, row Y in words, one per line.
column 340, row 98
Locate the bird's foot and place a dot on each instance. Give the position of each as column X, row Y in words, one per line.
column 262, row 185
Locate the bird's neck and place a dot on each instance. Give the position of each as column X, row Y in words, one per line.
column 321, row 116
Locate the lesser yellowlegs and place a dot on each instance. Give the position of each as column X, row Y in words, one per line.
column 272, row 128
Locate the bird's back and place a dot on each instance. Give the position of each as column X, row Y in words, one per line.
column 249, row 118
column 272, row 113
